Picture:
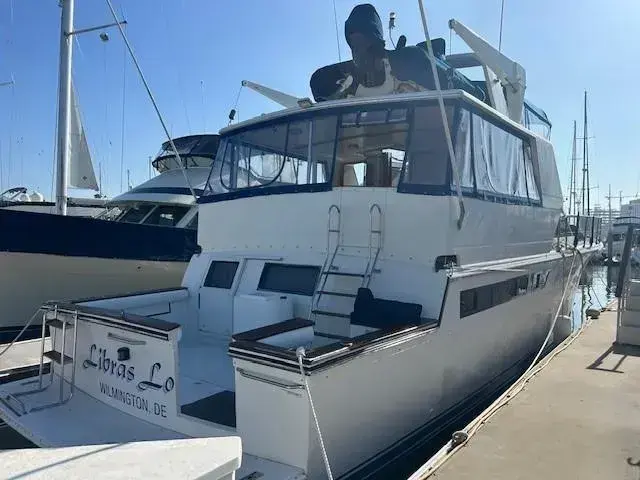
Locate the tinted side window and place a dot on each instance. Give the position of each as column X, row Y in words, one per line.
column 221, row 274
column 294, row 279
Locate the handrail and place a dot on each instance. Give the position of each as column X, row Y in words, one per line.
column 269, row 381
column 586, row 230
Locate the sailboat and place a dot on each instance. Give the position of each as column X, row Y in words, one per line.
column 143, row 240
column 81, row 175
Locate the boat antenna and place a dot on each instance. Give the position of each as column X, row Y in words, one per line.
column 392, row 25
column 501, row 19
column 443, row 113
column 151, row 97
column 335, row 21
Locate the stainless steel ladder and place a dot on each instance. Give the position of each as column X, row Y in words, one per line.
column 329, row 267
column 58, row 325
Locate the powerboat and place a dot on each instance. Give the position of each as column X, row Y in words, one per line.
column 371, row 266
column 143, row 239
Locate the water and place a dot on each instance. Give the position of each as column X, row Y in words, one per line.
column 596, row 290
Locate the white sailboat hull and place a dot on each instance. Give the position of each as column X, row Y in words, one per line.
column 29, row 279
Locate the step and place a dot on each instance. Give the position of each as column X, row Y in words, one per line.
column 331, row 314
column 634, row 287
column 344, row 274
column 628, row 335
column 56, row 356
column 337, row 294
column 55, row 323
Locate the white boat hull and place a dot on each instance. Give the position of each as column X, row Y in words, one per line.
column 29, row 279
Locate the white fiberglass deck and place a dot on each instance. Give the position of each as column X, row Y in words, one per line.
column 81, row 421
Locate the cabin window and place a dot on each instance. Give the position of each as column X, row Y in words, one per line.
column 482, row 298
column 498, row 160
column 294, row 279
column 135, row 214
column 297, row 153
column 166, row 215
column 428, row 158
column 371, row 148
column 221, row 274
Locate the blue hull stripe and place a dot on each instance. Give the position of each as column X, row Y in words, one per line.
column 29, row 232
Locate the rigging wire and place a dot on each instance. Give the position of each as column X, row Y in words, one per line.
column 204, row 110
column 335, row 21
column 443, row 114
column 151, row 97
column 180, row 83
column 234, row 110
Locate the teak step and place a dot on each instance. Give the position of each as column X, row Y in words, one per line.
column 343, row 274
column 56, row 356
column 55, row 323
column 331, row 314
column 337, row 294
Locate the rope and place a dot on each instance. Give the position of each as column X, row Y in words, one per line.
column 461, row 438
column 443, row 114
column 24, row 329
column 151, row 97
column 300, row 353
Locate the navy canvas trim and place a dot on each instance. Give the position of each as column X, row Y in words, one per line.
column 43, row 233
column 170, row 190
column 258, row 191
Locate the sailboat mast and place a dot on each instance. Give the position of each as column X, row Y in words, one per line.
column 572, row 178
column 585, row 160
column 64, row 105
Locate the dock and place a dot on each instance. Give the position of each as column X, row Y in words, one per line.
column 194, row 458
column 578, row 418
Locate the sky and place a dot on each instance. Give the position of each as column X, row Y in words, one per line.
column 195, row 53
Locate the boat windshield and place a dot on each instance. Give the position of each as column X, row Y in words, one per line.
column 398, row 145
column 363, row 147
column 194, row 151
column 148, row 214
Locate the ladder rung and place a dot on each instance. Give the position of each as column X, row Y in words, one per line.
column 56, row 356
column 344, row 274
column 376, row 231
column 331, row 314
column 55, row 323
column 337, row 294
column 333, row 230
